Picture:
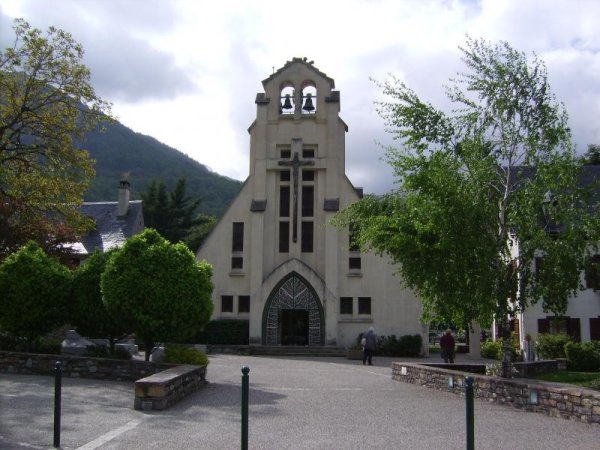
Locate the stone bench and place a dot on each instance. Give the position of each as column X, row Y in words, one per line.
column 161, row 390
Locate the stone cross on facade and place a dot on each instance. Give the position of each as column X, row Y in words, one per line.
column 295, row 163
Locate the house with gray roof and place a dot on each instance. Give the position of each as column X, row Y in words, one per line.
column 115, row 222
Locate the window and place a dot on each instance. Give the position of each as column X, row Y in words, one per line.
column 352, row 244
column 364, row 305
column 308, row 175
column 565, row 325
column 346, row 305
column 284, row 201
column 287, row 102
column 595, row 329
column 237, row 262
column 244, row 304
column 308, row 153
column 226, row 303
column 592, row 273
column 354, row 263
column 309, row 100
column 238, row 237
column 308, row 201
column 307, row 237
column 284, row 237
column 284, row 175
column 538, row 263
column 285, row 153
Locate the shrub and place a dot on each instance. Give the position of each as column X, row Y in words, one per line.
column 224, row 332
column 407, row 345
column 179, row 354
column 551, row 346
column 491, row 349
column 99, row 351
column 582, row 357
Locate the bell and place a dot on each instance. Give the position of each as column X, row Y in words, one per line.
column 287, row 103
column 308, row 104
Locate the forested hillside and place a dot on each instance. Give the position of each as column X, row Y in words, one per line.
column 121, row 152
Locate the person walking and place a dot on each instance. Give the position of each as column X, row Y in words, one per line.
column 447, row 344
column 370, row 346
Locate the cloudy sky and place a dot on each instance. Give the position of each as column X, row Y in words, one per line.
column 187, row 71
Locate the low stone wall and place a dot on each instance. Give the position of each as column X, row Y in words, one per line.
column 161, row 390
column 78, row 366
column 551, row 399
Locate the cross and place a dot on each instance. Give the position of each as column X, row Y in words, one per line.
column 295, row 164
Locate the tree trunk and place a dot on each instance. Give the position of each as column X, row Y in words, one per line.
column 506, row 348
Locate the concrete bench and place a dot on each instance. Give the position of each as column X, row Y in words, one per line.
column 161, row 390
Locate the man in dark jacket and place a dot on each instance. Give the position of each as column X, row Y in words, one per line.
column 370, row 346
column 447, row 345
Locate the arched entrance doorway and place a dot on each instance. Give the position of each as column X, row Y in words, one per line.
column 293, row 314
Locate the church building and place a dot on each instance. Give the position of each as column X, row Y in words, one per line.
column 277, row 260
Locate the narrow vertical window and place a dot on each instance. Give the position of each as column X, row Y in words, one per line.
column 237, row 262
column 308, row 201
column 307, row 237
column 284, row 237
column 238, row 237
column 284, row 201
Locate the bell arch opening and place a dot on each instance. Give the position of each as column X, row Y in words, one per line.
column 293, row 314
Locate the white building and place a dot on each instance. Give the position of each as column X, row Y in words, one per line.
column 277, row 261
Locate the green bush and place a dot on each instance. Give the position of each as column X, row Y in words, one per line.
column 224, row 332
column 178, row 354
column 582, row 357
column 406, row 346
column 492, row 349
column 99, row 351
column 551, row 346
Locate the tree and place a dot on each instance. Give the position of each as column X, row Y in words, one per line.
column 46, row 101
column 174, row 216
column 35, row 293
column 592, row 156
column 158, row 289
column 89, row 313
column 481, row 193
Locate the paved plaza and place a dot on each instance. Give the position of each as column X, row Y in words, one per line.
column 295, row 403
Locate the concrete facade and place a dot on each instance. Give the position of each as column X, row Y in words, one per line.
column 277, row 261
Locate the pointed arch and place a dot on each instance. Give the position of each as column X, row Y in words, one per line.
column 293, row 293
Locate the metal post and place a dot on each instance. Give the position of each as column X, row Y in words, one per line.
column 245, row 389
column 470, row 413
column 57, row 402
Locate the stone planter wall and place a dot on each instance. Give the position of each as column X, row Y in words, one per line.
column 78, row 366
column 564, row 401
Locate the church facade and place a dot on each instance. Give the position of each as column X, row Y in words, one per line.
column 278, row 262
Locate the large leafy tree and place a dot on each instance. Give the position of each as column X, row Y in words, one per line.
column 35, row 293
column 46, row 101
column 174, row 214
column 89, row 313
column 158, row 289
column 481, row 192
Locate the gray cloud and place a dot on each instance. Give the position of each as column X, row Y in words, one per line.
column 124, row 66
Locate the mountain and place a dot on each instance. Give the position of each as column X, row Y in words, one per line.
column 121, row 152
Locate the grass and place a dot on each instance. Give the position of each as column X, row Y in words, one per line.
column 582, row 379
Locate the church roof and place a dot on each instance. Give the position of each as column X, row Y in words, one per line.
column 110, row 231
column 304, row 61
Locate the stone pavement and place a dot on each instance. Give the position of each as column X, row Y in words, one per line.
column 295, row 403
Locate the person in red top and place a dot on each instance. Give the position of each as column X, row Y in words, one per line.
column 447, row 345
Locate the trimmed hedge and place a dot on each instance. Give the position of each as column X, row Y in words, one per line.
column 583, row 357
column 551, row 346
column 407, row 345
column 224, row 332
column 179, row 354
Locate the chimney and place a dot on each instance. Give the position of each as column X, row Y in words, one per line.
column 123, row 198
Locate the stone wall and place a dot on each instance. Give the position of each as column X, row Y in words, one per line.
column 78, row 366
column 161, row 390
column 555, row 400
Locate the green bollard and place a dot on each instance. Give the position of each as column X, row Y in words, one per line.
column 57, row 402
column 245, row 389
column 470, row 413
